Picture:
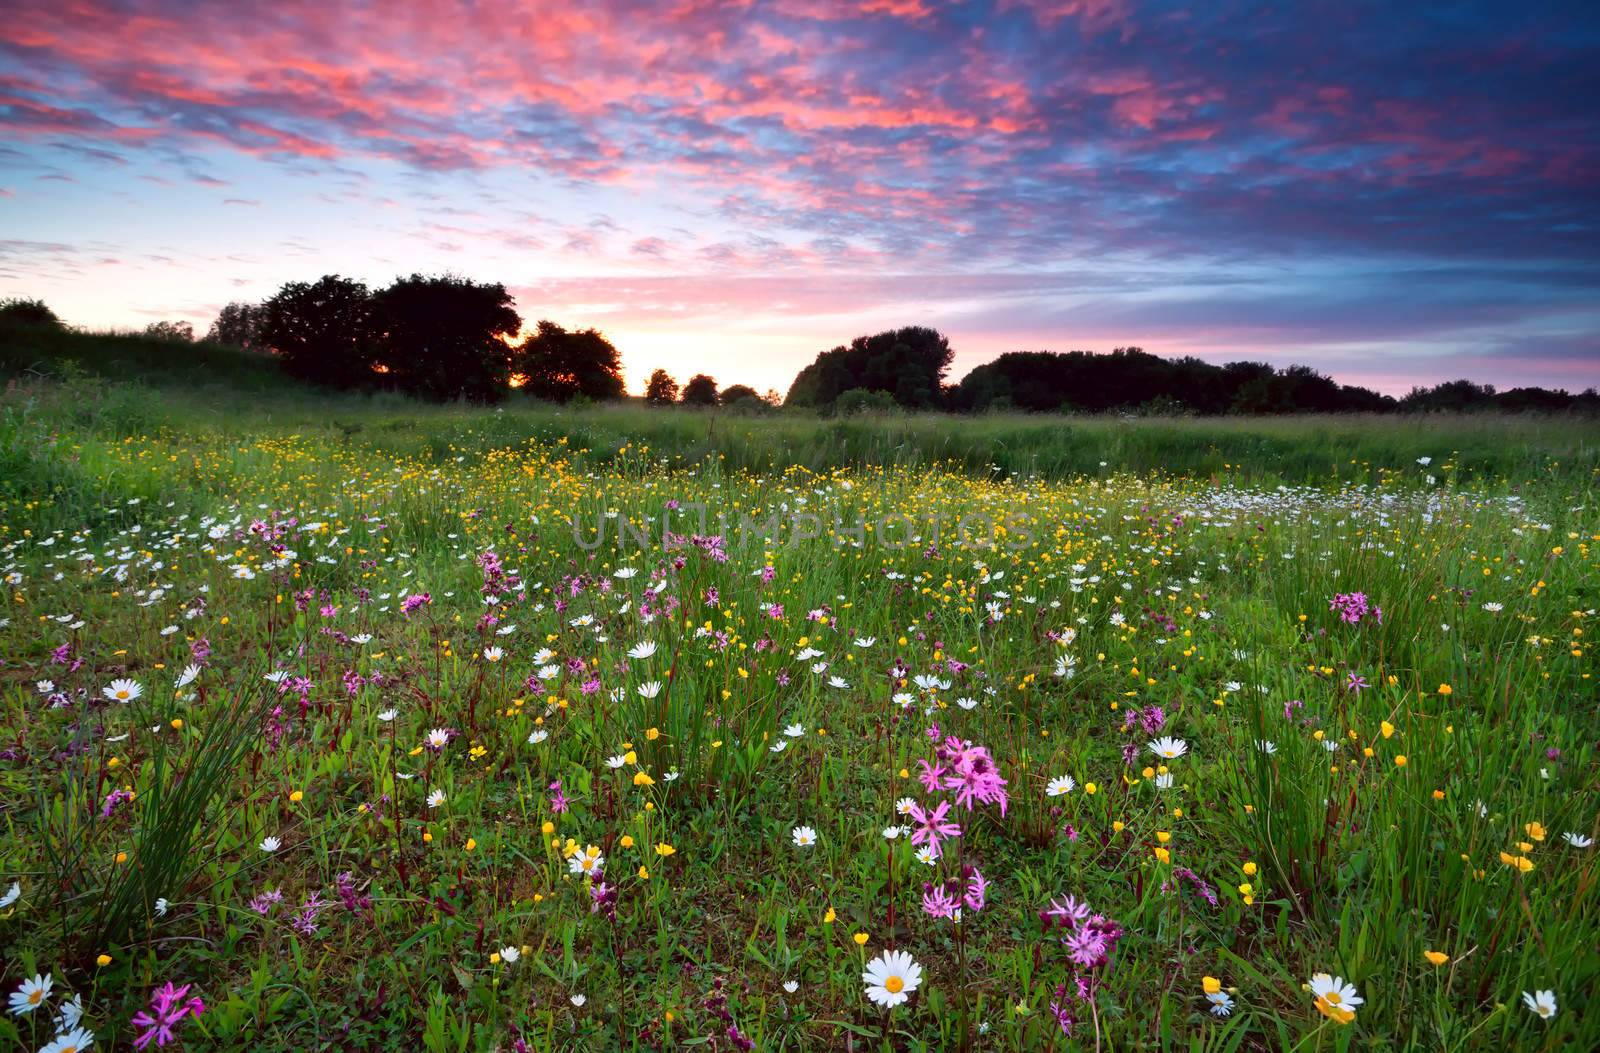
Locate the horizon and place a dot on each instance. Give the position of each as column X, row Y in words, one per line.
column 1391, row 202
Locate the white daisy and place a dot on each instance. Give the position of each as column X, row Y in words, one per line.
column 31, row 994
column 123, row 690
column 804, row 836
column 1336, row 999
column 1060, row 785
column 1540, row 1002
column 891, row 977
column 1168, row 747
column 76, row 1040
column 270, row 844
column 436, row 798
column 642, row 650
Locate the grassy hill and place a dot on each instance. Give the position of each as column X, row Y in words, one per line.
column 107, row 388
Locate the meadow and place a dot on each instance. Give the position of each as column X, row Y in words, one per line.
column 353, row 723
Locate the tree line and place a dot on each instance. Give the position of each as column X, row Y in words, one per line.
column 906, row 368
column 446, row 337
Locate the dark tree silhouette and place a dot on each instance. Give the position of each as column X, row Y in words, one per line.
column 734, row 392
column 173, row 332
column 662, row 390
column 1130, row 378
column 238, row 325
column 445, row 337
column 1456, row 395
column 700, row 391
column 908, row 363
column 322, row 332
column 19, row 312
column 559, row 365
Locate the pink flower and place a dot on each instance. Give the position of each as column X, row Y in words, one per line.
column 931, row 829
column 167, row 1010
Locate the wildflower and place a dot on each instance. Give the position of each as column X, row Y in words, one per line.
column 436, row 798
column 1168, row 747
column 14, row 893
column 860, row 938
column 509, row 955
column 1061, row 784
column 804, row 836
column 588, row 862
column 891, row 977
column 642, row 650
column 1436, row 958
column 70, row 1014
column 1335, row 999
column 931, row 827
column 270, row 844
column 167, row 1010
column 1575, row 840
column 74, row 1041
column 123, row 691
column 31, row 994
column 1535, row 831
column 438, row 739
column 1221, row 1003
column 1542, row 1003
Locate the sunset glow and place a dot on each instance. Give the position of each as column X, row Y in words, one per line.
column 731, row 188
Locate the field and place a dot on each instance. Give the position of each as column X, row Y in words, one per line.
column 383, row 726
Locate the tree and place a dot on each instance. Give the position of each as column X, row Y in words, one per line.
column 559, row 365
column 238, row 325
column 863, row 400
column 908, row 363
column 175, row 332
column 17, row 311
column 323, row 332
column 445, row 337
column 734, row 392
column 700, row 391
column 662, row 390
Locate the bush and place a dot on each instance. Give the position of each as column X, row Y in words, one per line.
column 173, row 332
column 863, row 400
column 19, row 312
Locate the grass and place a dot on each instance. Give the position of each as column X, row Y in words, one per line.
column 875, row 578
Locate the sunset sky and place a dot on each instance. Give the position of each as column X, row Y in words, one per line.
column 1392, row 193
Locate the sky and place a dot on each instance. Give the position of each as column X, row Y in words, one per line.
column 1395, row 194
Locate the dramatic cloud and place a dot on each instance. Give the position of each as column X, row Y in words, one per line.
column 1387, row 193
